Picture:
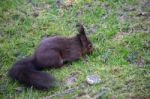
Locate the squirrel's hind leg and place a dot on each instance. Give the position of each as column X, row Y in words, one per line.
column 51, row 59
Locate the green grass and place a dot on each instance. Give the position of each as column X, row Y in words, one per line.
column 118, row 31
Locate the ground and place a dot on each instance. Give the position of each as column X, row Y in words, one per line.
column 118, row 29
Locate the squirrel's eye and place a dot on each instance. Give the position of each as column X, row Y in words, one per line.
column 89, row 46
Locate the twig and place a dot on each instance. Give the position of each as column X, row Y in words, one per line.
column 71, row 90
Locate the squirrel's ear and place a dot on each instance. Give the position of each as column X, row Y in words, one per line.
column 80, row 28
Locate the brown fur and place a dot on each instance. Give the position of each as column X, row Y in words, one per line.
column 52, row 52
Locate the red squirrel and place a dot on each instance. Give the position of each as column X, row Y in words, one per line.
column 52, row 52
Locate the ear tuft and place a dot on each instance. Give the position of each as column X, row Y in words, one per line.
column 80, row 28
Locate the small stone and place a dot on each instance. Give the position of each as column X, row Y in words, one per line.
column 18, row 89
column 93, row 79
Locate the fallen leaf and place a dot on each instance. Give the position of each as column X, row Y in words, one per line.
column 71, row 78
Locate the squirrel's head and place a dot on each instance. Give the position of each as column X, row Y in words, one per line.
column 86, row 43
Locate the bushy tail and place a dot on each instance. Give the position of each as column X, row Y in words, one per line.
column 25, row 72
